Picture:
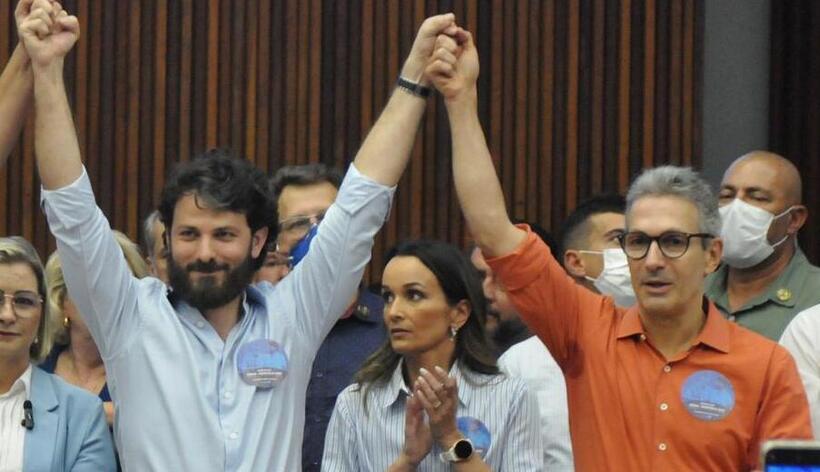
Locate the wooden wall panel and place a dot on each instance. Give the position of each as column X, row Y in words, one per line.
column 794, row 103
column 576, row 96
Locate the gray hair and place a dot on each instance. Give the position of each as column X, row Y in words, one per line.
column 148, row 239
column 680, row 182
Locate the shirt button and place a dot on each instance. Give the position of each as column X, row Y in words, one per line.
column 233, row 435
column 667, row 368
column 643, row 337
column 319, row 375
column 200, row 324
column 227, row 395
column 732, row 318
column 662, row 447
column 664, row 407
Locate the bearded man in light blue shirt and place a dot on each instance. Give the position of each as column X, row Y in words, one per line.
column 209, row 373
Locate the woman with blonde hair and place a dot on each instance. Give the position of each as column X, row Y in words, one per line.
column 75, row 356
column 45, row 424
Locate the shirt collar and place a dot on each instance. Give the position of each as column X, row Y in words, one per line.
column 781, row 291
column 715, row 332
column 396, row 389
column 21, row 385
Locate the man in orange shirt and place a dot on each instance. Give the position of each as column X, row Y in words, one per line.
column 668, row 384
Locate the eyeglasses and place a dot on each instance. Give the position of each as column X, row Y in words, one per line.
column 673, row 244
column 300, row 224
column 23, row 303
column 277, row 258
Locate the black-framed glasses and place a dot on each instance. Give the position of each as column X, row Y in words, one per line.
column 300, row 224
column 673, row 244
column 23, row 303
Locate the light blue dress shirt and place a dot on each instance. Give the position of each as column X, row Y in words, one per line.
column 371, row 439
column 181, row 402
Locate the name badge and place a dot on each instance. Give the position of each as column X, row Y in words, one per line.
column 476, row 431
column 262, row 363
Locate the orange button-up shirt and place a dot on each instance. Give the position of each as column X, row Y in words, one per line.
column 630, row 408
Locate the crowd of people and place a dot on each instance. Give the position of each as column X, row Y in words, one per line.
column 657, row 331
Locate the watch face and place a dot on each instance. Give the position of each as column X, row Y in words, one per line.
column 463, row 449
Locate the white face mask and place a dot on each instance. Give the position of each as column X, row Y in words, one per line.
column 614, row 280
column 745, row 232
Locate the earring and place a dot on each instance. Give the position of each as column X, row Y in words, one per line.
column 453, row 333
column 66, row 322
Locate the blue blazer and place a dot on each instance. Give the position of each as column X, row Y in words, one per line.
column 70, row 432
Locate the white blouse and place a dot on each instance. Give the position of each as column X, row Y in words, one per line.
column 12, row 432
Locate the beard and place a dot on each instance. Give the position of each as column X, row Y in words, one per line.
column 509, row 332
column 207, row 293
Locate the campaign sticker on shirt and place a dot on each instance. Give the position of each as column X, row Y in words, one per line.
column 474, row 430
column 708, row 395
column 262, row 363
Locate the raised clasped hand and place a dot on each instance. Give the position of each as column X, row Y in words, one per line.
column 46, row 30
column 424, row 45
column 453, row 66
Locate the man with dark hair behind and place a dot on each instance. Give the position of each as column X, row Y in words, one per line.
column 503, row 326
column 591, row 253
column 303, row 195
column 213, row 376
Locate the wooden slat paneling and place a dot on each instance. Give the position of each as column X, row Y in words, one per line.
column 576, row 96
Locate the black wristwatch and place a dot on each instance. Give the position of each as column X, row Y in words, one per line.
column 460, row 451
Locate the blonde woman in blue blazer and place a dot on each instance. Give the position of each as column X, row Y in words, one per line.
column 45, row 424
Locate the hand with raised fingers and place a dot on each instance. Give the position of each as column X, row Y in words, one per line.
column 418, row 440
column 424, row 44
column 453, row 67
column 438, row 394
column 47, row 31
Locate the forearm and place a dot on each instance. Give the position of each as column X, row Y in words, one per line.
column 402, row 464
column 386, row 149
column 477, row 186
column 55, row 139
column 16, row 85
column 473, row 464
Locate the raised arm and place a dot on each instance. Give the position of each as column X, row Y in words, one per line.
column 386, row 150
column 47, row 41
column 454, row 71
column 15, row 99
column 16, row 85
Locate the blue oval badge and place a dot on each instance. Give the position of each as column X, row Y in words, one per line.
column 474, row 430
column 262, row 363
column 708, row 395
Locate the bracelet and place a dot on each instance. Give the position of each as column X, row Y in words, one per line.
column 414, row 88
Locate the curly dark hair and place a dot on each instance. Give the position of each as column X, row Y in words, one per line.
column 459, row 281
column 220, row 180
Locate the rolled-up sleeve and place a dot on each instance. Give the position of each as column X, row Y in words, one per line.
column 97, row 276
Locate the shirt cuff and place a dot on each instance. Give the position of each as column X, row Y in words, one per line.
column 358, row 190
column 69, row 206
column 521, row 267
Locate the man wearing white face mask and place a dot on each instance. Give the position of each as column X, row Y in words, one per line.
column 765, row 279
column 591, row 252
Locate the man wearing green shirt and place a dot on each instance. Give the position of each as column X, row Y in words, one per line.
column 765, row 279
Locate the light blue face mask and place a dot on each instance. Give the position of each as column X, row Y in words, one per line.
column 300, row 250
